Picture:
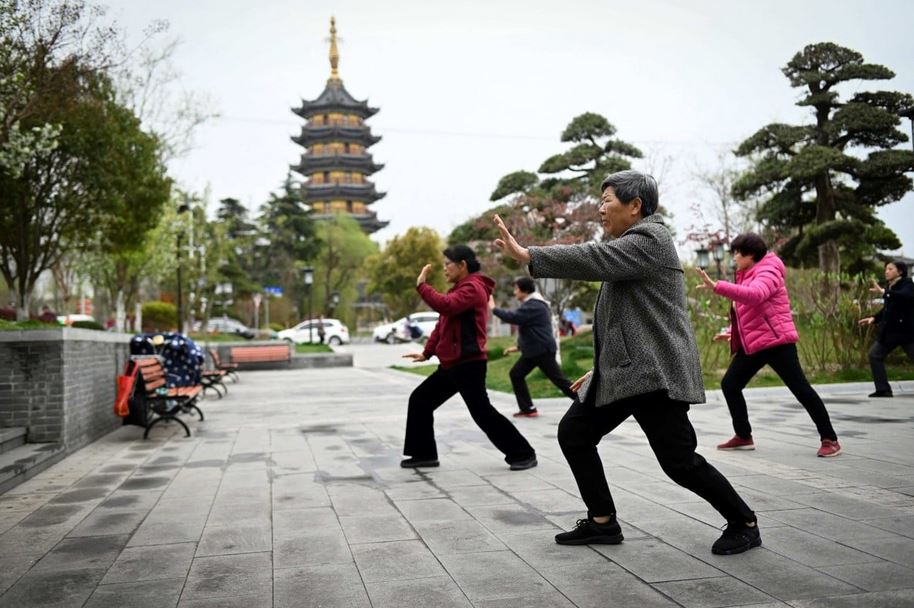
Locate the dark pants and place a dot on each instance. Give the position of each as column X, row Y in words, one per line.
column 666, row 424
column 878, row 353
column 550, row 368
column 468, row 379
column 784, row 361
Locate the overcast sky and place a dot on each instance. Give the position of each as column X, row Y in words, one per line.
column 469, row 91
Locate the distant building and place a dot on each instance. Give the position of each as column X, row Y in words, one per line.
column 336, row 162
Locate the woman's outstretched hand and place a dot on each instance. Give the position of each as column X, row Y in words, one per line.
column 706, row 281
column 416, row 357
column 423, row 275
column 508, row 245
column 577, row 383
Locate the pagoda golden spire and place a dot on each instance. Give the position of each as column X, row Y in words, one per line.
column 334, row 52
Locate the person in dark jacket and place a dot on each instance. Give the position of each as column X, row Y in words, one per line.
column 536, row 343
column 896, row 323
column 459, row 342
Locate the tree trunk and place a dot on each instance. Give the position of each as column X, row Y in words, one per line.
column 22, row 306
column 120, row 314
column 829, row 258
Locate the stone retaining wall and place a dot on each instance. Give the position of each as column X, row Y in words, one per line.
column 60, row 383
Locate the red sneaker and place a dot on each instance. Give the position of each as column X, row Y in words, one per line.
column 829, row 448
column 526, row 414
column 737, row 443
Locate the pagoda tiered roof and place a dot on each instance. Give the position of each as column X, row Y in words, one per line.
column 369, row 222
column 317, row 134
column 362, row 163
column 341, row 191
column 335, row 98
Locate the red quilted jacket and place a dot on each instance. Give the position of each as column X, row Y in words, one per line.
column 460, row 334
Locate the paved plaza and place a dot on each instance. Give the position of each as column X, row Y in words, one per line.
column 289, row 494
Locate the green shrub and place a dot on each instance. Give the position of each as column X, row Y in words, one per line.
column 277, row 326
column 88, row 325
column 159, row 316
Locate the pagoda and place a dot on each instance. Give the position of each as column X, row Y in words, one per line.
column 336, row 162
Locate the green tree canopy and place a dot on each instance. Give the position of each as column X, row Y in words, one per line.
column 824, row 181
column 392, row 272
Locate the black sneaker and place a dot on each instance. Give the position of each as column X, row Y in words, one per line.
column 589, row 532
column 880, row 394
column 414, row 463
column 527, row 463
column 736, row 539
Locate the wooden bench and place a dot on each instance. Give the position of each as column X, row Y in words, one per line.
column 261, row 354
column 166, row 402
column 231, row 369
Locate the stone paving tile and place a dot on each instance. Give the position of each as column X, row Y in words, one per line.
column 82, row 553
column 151, row 563
column 510, row 518
column 654, row 561
column 162, row 593
column 874, row 576
column 393, row 561
column 480, row 496
column 414, row 490
column 223, row 540
column 539, row 549
column 711, row 592
column 902, row 598
column 438, row 591
column 552, row 599
column 12, row 567
column 52, row 589
column 810, row 549
column 903, row 525
column 457, row 536
column 432, row 510
column 264, row 598
column 597, row 585
column 224, row 576
column 376, row 528
column 108, row 521
column 898, row 549
column 494, row 575
column 325, row 586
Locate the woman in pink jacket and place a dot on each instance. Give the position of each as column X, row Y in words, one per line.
column 762, row 332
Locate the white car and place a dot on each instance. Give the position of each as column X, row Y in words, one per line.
column 398, row 331
column 307, row 331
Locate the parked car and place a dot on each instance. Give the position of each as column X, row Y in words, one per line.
column 334, row 332
column 228, row 325
column 399, row 330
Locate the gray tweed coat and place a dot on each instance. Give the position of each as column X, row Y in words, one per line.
column 643, row 340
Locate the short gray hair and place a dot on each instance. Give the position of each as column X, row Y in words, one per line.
column 629, row 185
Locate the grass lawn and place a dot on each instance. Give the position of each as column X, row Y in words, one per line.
column 308, row 349
column 577, row 359
column 17, row 325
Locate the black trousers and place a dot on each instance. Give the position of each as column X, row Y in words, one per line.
column 784, row 361
column 666, row 424
column 468, row 379
column 550, row 368
column 878, row 353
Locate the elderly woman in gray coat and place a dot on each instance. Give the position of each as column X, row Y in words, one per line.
column 646, row 361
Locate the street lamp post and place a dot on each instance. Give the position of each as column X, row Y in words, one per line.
column 182, row 209
column 334, row 300
column 309, row 281
column 703, row 259
column 719, row 257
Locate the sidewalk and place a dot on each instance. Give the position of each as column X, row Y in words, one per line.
column 290, row 494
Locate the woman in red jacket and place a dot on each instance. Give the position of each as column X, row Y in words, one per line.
column 459, row 342
column 762, row 332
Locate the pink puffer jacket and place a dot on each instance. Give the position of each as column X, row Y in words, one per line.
column 763, row 317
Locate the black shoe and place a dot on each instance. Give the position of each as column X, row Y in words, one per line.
column 881, row 394
column 414, row 463
column 589, row 532
column 526, row 463
column 736, row 539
